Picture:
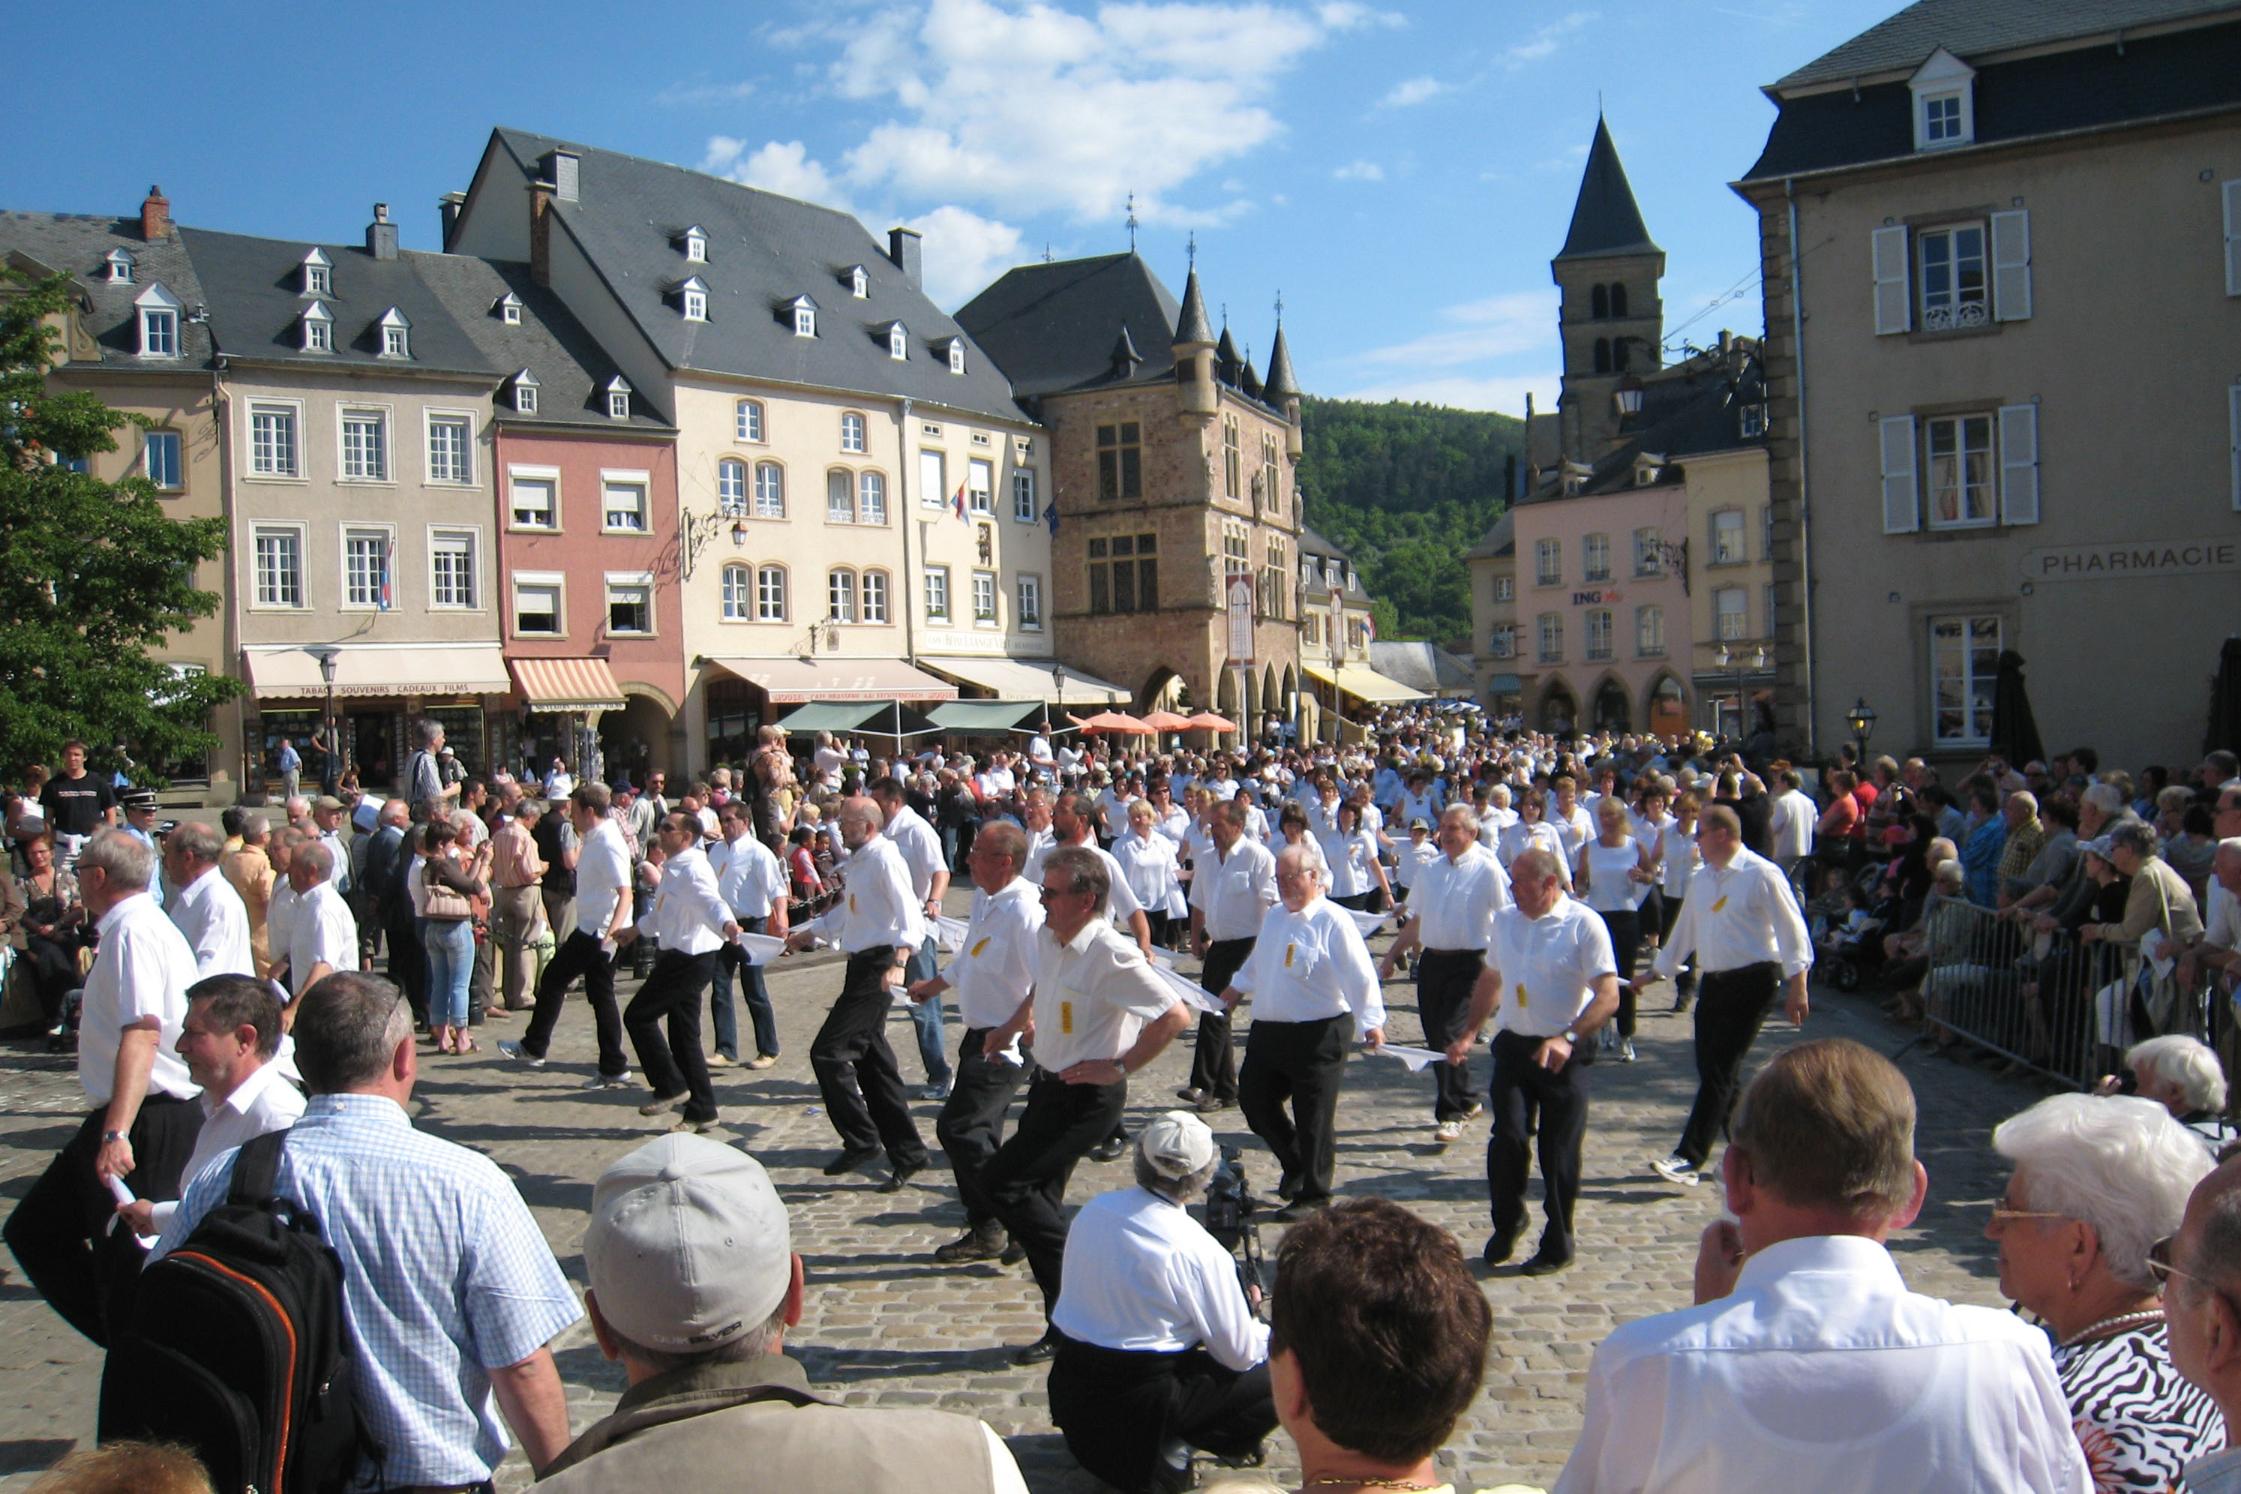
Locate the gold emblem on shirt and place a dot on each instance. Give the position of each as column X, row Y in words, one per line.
column 1523, row 1000
column 1066, row 1017
column 978, row 945
column 852, row 902
column 1722, row 903
column 1288, row 949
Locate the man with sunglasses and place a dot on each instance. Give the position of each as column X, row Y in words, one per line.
column 2200, row 1267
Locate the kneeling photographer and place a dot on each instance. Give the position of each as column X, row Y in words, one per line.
column 1160, row 1351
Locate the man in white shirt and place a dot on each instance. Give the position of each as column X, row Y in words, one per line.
column 1161, row 1352
column 1741, row 921
column 753, row 886
column 1035, row 815
column 1790, row 821
column 1231, row 892
column 1806, row 1363
column 322, row 933
column 602, row 902
column 143, row 1124
column 879, row 922
column 992, row 973
column 1552, row 981
column 1314, row 994
column 921, row 847
column 229, row 1039
column 690, row 922
column 1450, row 924
column 208, row 912
column 327, row 815
column 1099, row 1012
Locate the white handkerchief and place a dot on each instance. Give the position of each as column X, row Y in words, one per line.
column 949, row 933
column 1368, row 923
column 1192, row 994
column 760, row 949
column 1415, row 1058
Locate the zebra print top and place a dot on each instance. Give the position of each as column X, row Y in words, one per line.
column 2139, row 1420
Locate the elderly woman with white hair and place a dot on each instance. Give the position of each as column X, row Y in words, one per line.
column 2182, row 1074
column 2097, row 1183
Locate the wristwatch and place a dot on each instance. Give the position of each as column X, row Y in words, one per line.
column 109, row 1136
column 1571, row 1038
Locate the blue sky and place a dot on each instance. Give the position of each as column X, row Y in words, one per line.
column 1400, row 172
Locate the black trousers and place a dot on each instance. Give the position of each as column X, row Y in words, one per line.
column 675, row 1064
column 579, row 954
column 971, row 1125
column 1625, row 929
column 1731, row 1006
column 1299, row 1062
column 59, row 1232
column 408, row 961
column 1444, row 978
column 1117, row 1406
column 1522, row 1090
column 856, row 1074
column 1214, row 1060
column 1026, row 1180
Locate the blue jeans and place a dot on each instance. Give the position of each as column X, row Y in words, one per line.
column 451, row 965
column 725, row 1016
column 926, row 1016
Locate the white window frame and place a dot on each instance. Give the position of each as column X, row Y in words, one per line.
column 120, row 266
column 844, row 491
column 318, row 329
column 439, row 537
column 431, row 419
column 956, row 357
column 987, row 588
column 610, row 478
column 733, row 478
column 768, row 500
column 1724, row 630
column 1548, row 637
column 1958, row 426
column 1592, row 569
column 764, row 612
column 1715, row 554
column 872, row 592
column 1028, row 601
column 735, row 592
column 1941, row 78
column 1647, row 561
column 1932, row 113
column 840, row 595
column 1548, row 562
column 385, row 536
column 871, row 496
column 747, row 422
column 859, row 283
column 980, row 487
column 805, row 321
column 176, row 464
column 1649, row 631
column 853, row 427
column 318, row 274
column 693, row 302
column 1505, row 588
column 257, row 534
column 550, row 476
column 613, row 581
column 509, row 309
column 385, row 420
column 898, row 344
column 618, row 399
column 1595, row 634
column 159, row 331
column 396, row 334
column 936, row 587
column 936, row 493
column 1025, row 507
column 1971, row 713
column 292, row 410
column 1957, row 312
column 557, row 583
column 525, row 393
column 696, row 247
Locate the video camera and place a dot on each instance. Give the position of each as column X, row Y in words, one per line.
column 1230, row 1211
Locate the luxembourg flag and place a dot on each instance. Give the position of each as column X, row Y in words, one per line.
column 389, row 577
column 957, row 502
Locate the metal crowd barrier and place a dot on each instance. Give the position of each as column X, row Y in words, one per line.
column 2053, row 1004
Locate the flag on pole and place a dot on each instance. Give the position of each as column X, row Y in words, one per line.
column 1369, row 627
column 389, row 575
column 1050, row 517
column 957, row 501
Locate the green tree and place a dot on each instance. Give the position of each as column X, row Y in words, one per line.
column 93, row 575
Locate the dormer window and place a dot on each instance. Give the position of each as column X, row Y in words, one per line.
column 120, row 267
column 318, row 275
column 692, row 299
column 525, row 393
column 956, row 355
column 1944, row 90
column 318, row 328
column 618, row 398
column 802, row 313
column 508, row 307
column 696, row 248
column 859, row 282
column 396, row 334
column 159, row 322
column 898, row 341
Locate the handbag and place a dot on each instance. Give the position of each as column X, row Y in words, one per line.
column 446, row 906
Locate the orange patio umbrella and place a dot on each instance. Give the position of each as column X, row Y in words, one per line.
column 1208, row 721
column 1166, row 721
column 1117, row 723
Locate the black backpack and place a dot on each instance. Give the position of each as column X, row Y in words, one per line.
column 236, row 1346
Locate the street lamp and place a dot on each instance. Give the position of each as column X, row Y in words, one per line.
column 1861, row 720
column 1743, row 670
column 328, row 656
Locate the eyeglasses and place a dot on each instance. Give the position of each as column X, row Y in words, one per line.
column 2002, row 1213
column 2159, row 1262
column 1047, row 893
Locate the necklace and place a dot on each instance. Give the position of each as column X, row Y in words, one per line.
column 1367, row 1483
column 2119, row 1323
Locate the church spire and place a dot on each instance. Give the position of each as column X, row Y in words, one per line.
column 1605, row 219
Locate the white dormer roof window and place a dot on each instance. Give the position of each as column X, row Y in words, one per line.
column 898, row 341
column 318, row 328
column 525, row 393
column 859, row 282
column 696, row 245
column 508, row 307
column 396, row 334
column 318, row 275
column 120, row 266
column 802, row 312
column 957, row 355
column 692, row 299
column 1944, row 90
column 159, row 322
column 618, row 398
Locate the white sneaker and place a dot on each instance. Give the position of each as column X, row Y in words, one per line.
column 1448, row 1131
column 607, row 1081
column 519, row 1054
column 1676, row 1169
column 1626, row 1050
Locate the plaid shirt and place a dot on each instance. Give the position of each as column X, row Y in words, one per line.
column 445, row 1277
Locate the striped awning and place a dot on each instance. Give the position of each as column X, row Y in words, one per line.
column 566, row 684
column 795, row 681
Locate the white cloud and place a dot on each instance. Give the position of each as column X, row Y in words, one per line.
column 781, row 166
column 1504, row 393
column 963, row 252
column 1412, row 91
column 1359, row 171
column 1346, row 15
column 1567, row 159
column 1544, row 42
column 701, row 95
column 1477, row 331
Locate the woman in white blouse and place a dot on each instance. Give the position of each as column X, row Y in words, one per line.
column 1614, row 874
column 1357, row 876
column 1531, row 831
column 1291, row 827
column 1147, row 861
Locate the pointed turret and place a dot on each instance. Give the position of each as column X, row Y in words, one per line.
column 1605, row 219
column 1282, row 390
column 1226, row 361
column 1611, row 320
column 1194, row 351
column 1125, row 356
column 1248, row 380
column 1192, row 328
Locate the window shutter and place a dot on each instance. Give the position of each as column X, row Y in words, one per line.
column 2233, row 237
column 2233, row 399
column 1894, row 289
column 1902, row 508
column 2019, row 464
column 2011, row 267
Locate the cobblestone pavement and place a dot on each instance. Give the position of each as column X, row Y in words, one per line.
column 887, row 1327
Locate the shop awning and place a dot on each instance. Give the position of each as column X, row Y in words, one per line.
column 797, row 681
column 877, row 718
column 1028, row 679
column 1364, row 684
column 366, row 669
column 987, row 715
column 566, row 684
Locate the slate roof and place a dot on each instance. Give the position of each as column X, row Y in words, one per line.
column 257, row 305
column 569, row 365
column 1282, row 384
column 1049, row 326
column 1605, row 218
column 1687, row 410
column 764, row 250
column 1973, row 28
column 1422, row 666
column 1498, row 541
column 2080, row 89
column 78, row 244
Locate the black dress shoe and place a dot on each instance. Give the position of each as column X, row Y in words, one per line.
column 1544, row 1264
column 1014, row 1253
column 1041, row 1351
column 1109, row 1149
column 849, row 1160
column 1500, row 1247
column 986, row 1243
column 903, row 1173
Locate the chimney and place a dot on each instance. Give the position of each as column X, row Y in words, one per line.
column 902, row 248
column 561, row 170
column 155, row 215
column 540, row 232
column 447, row 209
column 381, row 234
